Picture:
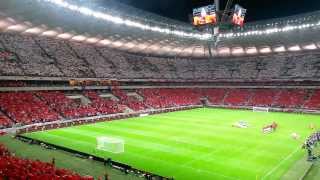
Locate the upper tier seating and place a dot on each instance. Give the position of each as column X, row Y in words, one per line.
column 42, row 56
column 33, row 60
column 65, row 58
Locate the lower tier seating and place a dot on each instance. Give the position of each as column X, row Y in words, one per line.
column 45, row 106
column 15, row 168
column 25, row 108
column 314, row 101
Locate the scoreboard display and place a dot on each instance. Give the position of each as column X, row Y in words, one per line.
column 238, row 15
column 204, row 15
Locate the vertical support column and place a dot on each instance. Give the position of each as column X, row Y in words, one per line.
column 217, row 3
column 219, row 16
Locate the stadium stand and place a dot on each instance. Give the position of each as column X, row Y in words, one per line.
column 15, row 168
column 314, row 101
column 161, row 65
column 215, row 96
column 25, row 108
column 102, row 105
column 4, row 121
column 67, row 107
column 59, row 58
column 263, row 97
column 45, row 106
column 66, row 59
column 164, row 98
column 30, row 56
column 290, row 98
column 237, row 97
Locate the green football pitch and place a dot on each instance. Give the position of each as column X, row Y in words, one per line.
column 197, row 144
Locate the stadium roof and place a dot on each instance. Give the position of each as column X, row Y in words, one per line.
column 129, row 29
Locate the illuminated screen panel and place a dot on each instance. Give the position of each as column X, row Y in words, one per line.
column 239, row 15
column 204, row 15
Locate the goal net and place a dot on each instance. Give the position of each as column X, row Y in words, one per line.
column 260, row 109
column 113, row 145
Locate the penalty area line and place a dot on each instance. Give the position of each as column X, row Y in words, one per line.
column 280, row 163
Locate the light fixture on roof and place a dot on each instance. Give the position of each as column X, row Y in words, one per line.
column 117, row 43
column 251, row 50
column 5, row 23
column 119, row 20
column 79, row 38
column 294, row 48
column 224, row 51
column 35, row 30
column 17, row 27
column 105, row 42
column 188, row 51
column 237, row 51
column 265, row 50
column 65, row 36
column 279, row 49
column 92, row 40
column 142, row 46
column 310, row 47
column 178, row 50
column 50, row 33
column 130, row 45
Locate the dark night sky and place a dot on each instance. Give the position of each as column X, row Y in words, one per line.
column 257, row 9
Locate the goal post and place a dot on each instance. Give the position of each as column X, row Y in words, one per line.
column 109, row 144
column 260, row 109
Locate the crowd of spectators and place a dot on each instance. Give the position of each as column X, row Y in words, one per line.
column 132, row 102
column 314, row 101
column 25, row 108
column 238, row 97
column 70, row 109
column 165, row 98
column 13, row 167
column 48, row 57
column 103, row 105
column 4, row 121
column 45, row 106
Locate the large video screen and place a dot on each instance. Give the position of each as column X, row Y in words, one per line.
column 204, row 15
column 238, row 15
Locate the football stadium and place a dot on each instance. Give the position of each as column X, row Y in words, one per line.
column 115, row 92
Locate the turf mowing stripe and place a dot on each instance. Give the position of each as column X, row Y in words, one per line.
column 280, row 163
column 197, row 144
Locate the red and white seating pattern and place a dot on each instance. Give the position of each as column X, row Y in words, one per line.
column 237, row 97
column 102, row 105
column 5, row 121
column 45, row 106
column 15, row 168
column 314, row 101
column 25, row 108
column 67, row 107
column 129, row 101
column 164, row 98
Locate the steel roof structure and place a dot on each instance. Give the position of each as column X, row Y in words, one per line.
column 132, row 30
